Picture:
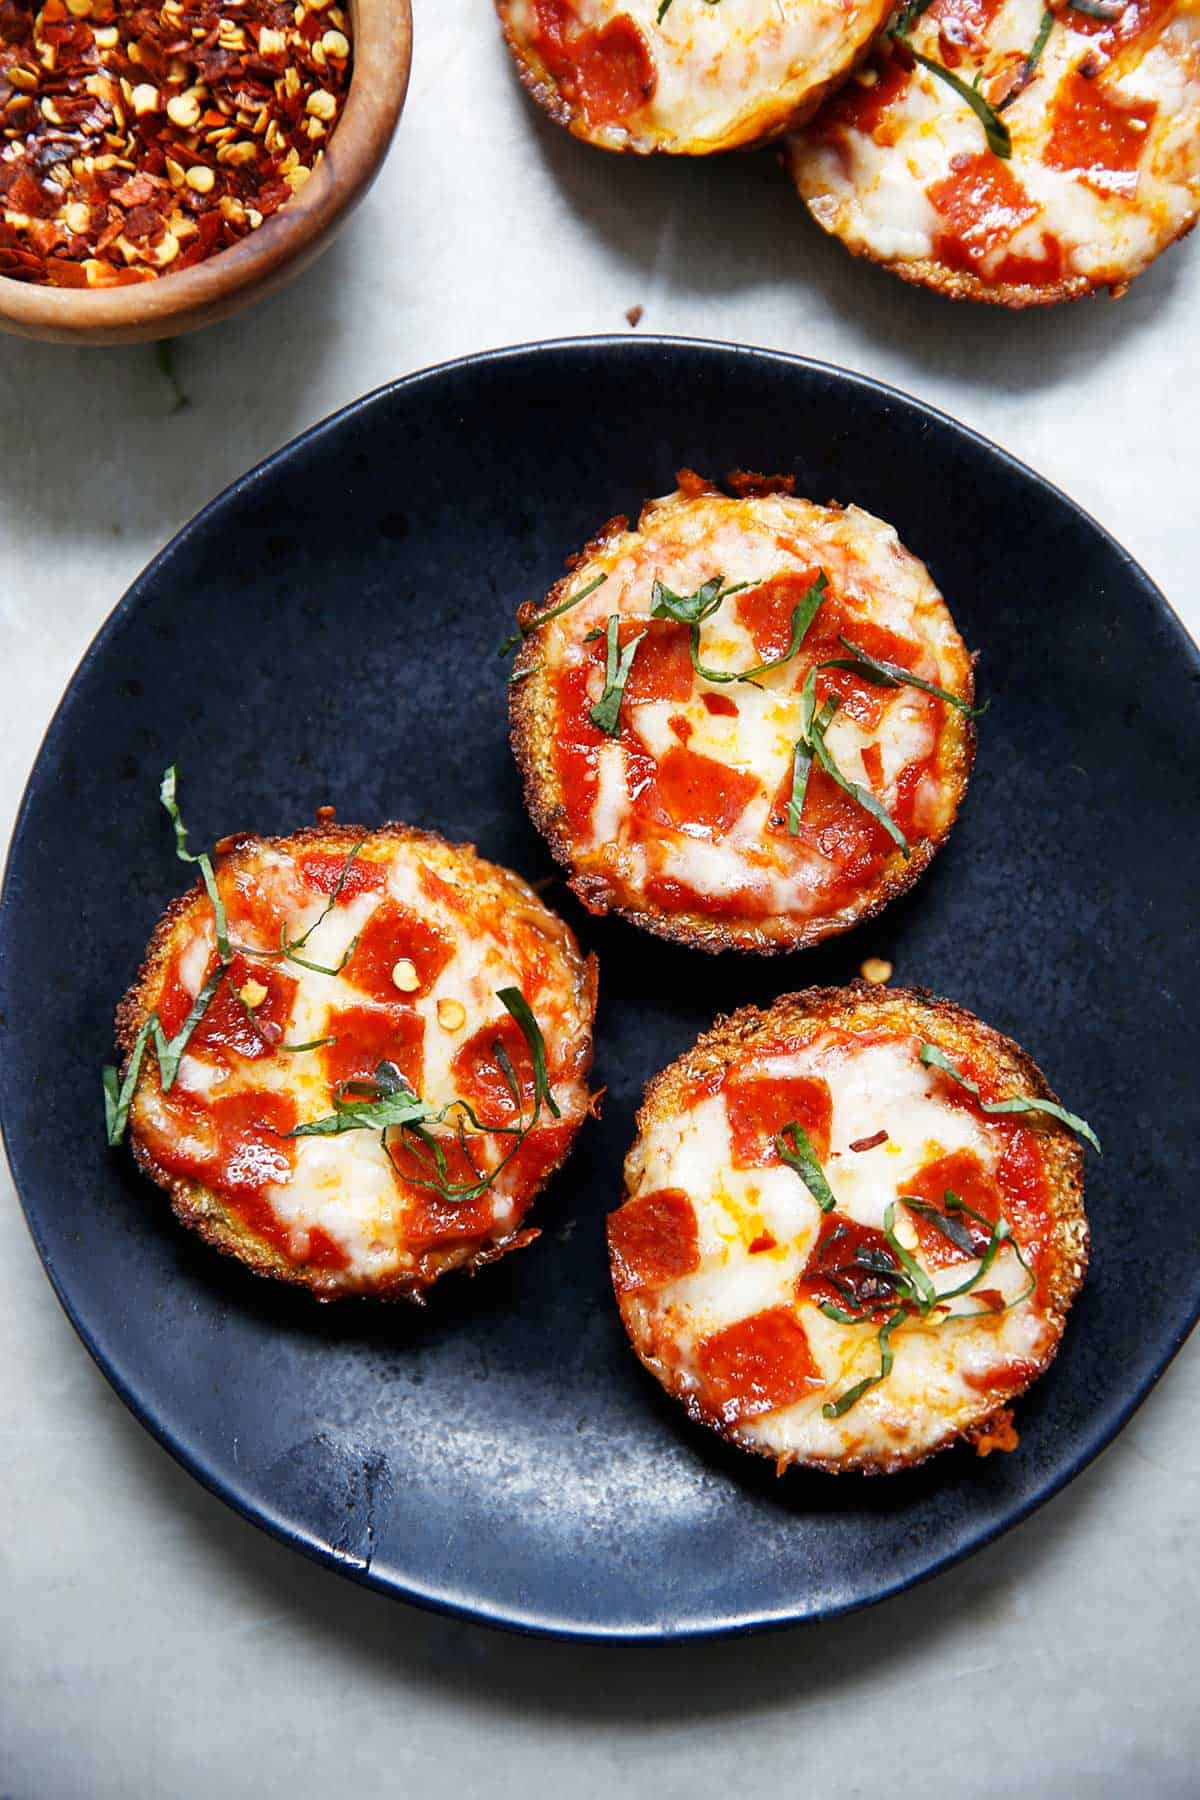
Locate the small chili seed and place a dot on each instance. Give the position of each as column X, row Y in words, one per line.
column 106, row 37
column 200, row 179
column 77, row 217
column 452, row 1015
column 183, row 110
column 253, row 994
column 25, row 79
column 144, row 99
column 876, row 971
column 321, row 105
column 405, row 977
column 334, row 44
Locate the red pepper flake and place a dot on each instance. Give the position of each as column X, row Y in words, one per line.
column 870, row 1143
column 135, row 141
column 764, row 1241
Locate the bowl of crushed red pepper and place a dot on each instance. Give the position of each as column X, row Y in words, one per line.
column 163, row 165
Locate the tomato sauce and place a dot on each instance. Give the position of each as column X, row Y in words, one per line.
column 608, row 73
column 758, row 1365
column 1096, row 137
column 758, row 1107
column 719, row 706
column 652, row 1240
column 861, row 108
column 393, row 934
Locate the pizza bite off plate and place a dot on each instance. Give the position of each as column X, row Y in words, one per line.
column 1064, row 160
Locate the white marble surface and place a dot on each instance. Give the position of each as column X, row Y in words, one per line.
column 155, row 1644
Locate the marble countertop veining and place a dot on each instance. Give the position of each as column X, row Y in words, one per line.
column 154, row 1643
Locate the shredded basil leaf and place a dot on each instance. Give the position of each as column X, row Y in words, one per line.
column 1098, row 9
column 802, row 1159
column 803, row 614
column 606, row 714
column 864, row 797
column 834, row 1409
column 335, row 896
column 117, row 1100
column 1020, row 1103
column 994, row 128
column 563, row 606
column 167, row 794
column 953, row 1230
column 908, row 18
column 923, row 1290
column 886, row 674
column 515, row 1003
column 692, row 609
column 313, row 1044
column 1031, row 62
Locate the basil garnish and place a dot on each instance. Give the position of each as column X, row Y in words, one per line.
column 166, row 793
column 1031, row 62
column 523, row 631
column 606, row 714
column 1020, row 1103
column 886, row 674
column 386, row 1102
column 693, row 609
column 994, row 129
column 802, row 1159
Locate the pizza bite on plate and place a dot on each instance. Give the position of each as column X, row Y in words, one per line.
column 1005, row 151
column 687, row 76
column 853, row 1228
column 354, row 1057
column 747, row 723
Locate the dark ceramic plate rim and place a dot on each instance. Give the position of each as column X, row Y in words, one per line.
column 171, row 1435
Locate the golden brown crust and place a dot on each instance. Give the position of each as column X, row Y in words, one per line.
column 205, row 1212
column 533, row 732
column 958, row 1034
column 542, row 87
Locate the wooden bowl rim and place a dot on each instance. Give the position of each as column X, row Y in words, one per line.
column 382, row 47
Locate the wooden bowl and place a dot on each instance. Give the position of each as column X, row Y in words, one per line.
column 283, row 245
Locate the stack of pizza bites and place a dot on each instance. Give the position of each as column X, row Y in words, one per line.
column 1009, row 151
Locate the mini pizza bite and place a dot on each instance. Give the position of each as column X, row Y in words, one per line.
column 747, row 723
column 690, row 76
column 360, row 1073
column 853, row 1227
column 998, row 150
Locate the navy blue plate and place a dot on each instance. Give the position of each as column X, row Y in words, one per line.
column 327, row 632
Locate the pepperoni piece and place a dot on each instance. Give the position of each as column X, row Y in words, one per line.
column 1032, row 271
column 432, row 1218
column 963, row 1174
column 234, row 1144
column 766, row 611
column 393, row 934
column 609, row 73
column 839, row 1269
column 576, row 748
column 662, row 662
column 699, row 795
column 323, row 872
column 652, row 1240
column 227, row 1024
column 671, row 896
column 759, row 1106
column 862, row 107
column 368, row 1035
column 1097, row 138
column 984, row 205
column 481, row 1078
column 758, row 1365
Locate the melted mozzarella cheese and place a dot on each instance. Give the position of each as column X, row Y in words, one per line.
column 723, row 75
column 872, row 187
column 873, row 1086
column 345, row 1185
